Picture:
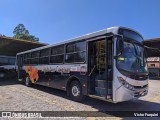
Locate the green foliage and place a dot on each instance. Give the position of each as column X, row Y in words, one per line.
column 20, row 32
column 2, row 35
column 20, row 29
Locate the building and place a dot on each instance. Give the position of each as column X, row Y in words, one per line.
column 153, row 64
column 10, row 46
column 153, row 60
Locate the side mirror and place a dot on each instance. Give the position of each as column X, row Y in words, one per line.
column 120, row 46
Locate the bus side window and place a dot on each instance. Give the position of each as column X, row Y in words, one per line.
column 26, row 59
column 44, row 56
column 76, row 52
column 57, row 54
column 34, row 57
column 20, row 60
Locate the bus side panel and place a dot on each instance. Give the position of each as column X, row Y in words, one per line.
column 82, row 78
column 57, row 76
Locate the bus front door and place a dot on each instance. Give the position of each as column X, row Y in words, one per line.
column 99, row 66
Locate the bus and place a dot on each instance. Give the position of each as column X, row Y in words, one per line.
column 107, row 65
column 7, row 66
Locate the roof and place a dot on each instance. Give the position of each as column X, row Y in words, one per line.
column 113, row 30
column 153, row 45
column 2, row 56
column 10, row 46
column 153, row 40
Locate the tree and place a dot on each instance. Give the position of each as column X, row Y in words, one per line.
column 20, row 29
column 2, row 35
column 32, row 37
column 20, row 32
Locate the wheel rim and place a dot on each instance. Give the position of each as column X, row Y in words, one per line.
column 27, row 81
column 75, row 91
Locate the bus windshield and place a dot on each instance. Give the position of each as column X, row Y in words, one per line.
column 131, row 58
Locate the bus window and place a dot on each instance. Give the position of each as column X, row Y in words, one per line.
column 44, row 60
column 57, row 59
column 44, row 53
column 80, row 57
column 75, row 52
column 69, row 58
column 80, row 46
column 57, row 50
column 34, row 61
column 70, row 48
column 57, row 54
column 34, row 57
column 35, row 54
column 44, row 56
column 26, row 58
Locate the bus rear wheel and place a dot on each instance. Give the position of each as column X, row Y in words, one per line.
column 75, row 91
column 28, row 82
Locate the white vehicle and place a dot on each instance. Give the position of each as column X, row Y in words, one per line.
column 7, row 65
column 107, row 65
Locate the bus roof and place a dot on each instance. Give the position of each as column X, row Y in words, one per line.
column 113, row 30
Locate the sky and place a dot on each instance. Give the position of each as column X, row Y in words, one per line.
column 53, row 21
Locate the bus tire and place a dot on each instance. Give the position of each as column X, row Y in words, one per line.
column 75, row 91
column 28, row 82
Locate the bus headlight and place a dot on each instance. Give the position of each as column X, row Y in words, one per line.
column 126, row 84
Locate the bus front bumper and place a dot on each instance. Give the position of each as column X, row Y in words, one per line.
column 124, row 94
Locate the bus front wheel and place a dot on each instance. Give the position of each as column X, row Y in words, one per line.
column 75, row 91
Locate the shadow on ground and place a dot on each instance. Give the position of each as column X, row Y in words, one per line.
column 136, row 105
column 121, row 109
column 4, row 82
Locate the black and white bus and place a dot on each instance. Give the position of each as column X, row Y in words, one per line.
column 107, row 65
column 7, row 66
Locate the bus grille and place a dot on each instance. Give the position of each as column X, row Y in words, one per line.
column 140, row 87
column 139, row 77
column 137, row 94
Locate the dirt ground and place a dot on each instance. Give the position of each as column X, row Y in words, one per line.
column 18, row 97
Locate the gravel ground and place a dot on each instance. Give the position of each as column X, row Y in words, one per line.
column 17, row 97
